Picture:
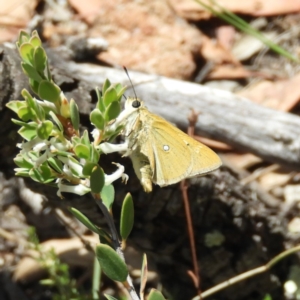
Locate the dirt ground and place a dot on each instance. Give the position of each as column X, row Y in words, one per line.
column 243, row 215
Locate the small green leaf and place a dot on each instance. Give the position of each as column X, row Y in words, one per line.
column 32, row 105
column 97, row 180
column 109, row 96
column 108, row 195
column 120, row 90
column 25, row 113
column 155, row 295
column 21, row 162
column 26, row 52
column 105, row 86
column 56, row 120
column 110, row 136
column 19, row 123
column 85, row 138
column 94, row 154
column 15, row 105
column 35, row 41
column 112, row 111
column 88, row 168
column 49, row 91
column 42, row 174
column 23, row 172
column 76, row 140
column 100, row 104
column 127, row 217
column 97, row 119
column 83, row 219
column 44, row 129
column 28, row 132
column 82, row 151
column 31, row 72
column 34, row 85
column 112, row 265
column 55, row 164
column 40, row 59
column 74, row 114
column 24, row 37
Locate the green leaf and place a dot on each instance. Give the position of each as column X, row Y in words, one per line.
column 88, row 168
column 26, row 52
column 74, row 114
column 105, row 86
column 97, row 118
column 25, row 113
column 82, row 151
column 100, row 104
column 44, row 129
column 42, row 174
column 155, row 295
column 120, row 90
column 33, row 105
column 56, row 120
column 34, row 85
column 40, row 59
column 21, row 162
column 15, row 105
column 76, row 140
column 49, row 91
column 35, row 41
column 83, row 219
column 23, row 172
column 111, row 135
column 127, row 217
column 112, row 111
column 55, row 164
column 109, row 96
column 112, row 265
column 24, row 37
column 97, row 180
column 94, row 154
column 28, row 131
column 31, row 72
column 85, row 138
column 108, row 195
column 20, row 123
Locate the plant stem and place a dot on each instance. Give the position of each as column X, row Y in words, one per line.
column 116, row 243
column 96, row 279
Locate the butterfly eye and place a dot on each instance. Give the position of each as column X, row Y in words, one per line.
column 136, row 103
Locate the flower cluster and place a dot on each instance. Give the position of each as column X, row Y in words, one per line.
column 53, row 151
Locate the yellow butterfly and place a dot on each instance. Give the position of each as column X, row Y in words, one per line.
column 160, row 152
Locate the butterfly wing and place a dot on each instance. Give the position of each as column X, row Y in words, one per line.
column 172, row 154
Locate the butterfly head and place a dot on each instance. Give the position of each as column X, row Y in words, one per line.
column 133, row 103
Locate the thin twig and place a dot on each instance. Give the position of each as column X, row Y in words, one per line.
column 184, row 186
column 247, row 274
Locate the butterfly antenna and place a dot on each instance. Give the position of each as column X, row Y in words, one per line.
column 126, row 71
